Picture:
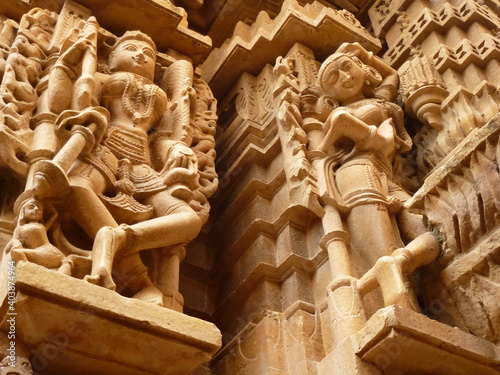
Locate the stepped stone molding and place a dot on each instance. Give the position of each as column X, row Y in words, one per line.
column 398, row 341
column 439, row 21
column 478, row 53
column 234, row 11
column 461, row 40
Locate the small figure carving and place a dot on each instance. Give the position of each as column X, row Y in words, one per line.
column 7, row 34
column 40, row 23
column 17, row 95
column 403, row 20
column 30, row 241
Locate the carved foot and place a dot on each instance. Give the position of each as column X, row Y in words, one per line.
column 102, row 278
column 66, row 268
column 150, row 294
column 108, row 242
column 173, row 301
column 49, row 180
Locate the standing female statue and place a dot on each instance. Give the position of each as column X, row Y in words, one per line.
column 130, row 186
column 364, row 135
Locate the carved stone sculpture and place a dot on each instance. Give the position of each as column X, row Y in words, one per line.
column 315, row 259
column 30, row 241
column 352, row 154
column 123, row 163
column 365, row 134
column 107, row 162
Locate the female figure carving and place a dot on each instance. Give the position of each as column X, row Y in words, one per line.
column 130, row 186
column 364, row 135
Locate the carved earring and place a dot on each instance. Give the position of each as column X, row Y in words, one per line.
column 367, row 83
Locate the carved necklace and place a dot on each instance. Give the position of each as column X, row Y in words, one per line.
column 131, row 103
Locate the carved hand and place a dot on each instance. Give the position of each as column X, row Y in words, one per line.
column 181, row 166
column 13, row 245
column 283, row 66
column 72, row 56
column 355, row 49
column 343, row 123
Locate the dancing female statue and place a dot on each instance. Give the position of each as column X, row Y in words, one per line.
column 131, row 182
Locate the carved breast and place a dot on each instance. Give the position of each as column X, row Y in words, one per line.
column 370, row 111
column 133, row 100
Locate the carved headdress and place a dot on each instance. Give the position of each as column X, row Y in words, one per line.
column 134, row 35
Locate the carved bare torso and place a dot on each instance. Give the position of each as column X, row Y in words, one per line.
column 32, row 235
column 134, row 102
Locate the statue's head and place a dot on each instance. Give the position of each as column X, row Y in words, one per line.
column 347, row 78
column 31, row 210
column 134, row 52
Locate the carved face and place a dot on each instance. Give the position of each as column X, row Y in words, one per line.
column 44, row 22
column 135, row 57
column 344, row 80
column 22, row 367
column 32, row 211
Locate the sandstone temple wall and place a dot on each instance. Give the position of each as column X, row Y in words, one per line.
column 245, row 188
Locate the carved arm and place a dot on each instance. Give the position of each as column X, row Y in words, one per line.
column 79, row 57
column 341, row 123
column 180, row 166
column 14, row 243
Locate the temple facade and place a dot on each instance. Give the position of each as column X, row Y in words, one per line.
column 221, row 187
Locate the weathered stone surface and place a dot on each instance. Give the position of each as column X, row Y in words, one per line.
column 73, row 326
column 400, row 341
